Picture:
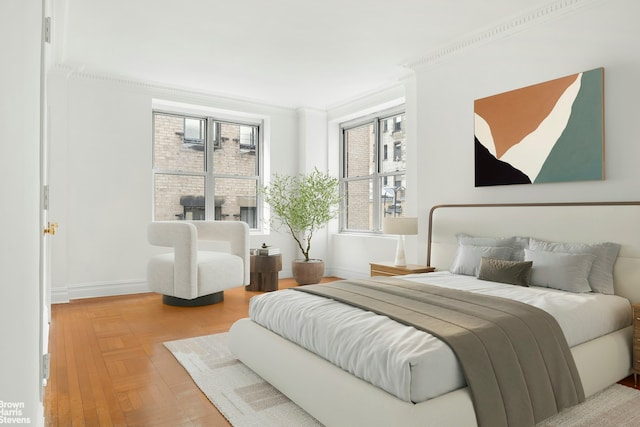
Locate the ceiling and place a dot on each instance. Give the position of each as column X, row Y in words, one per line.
column 292, row 53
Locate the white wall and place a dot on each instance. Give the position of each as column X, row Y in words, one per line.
column 20, row 23
column 600, row 34
column 101, row 181
column 101, row 144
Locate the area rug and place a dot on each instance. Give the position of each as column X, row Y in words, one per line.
column 240, row 395
column 246, row 400
column 616, row 406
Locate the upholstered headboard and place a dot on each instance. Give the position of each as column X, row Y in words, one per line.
column 588, row 222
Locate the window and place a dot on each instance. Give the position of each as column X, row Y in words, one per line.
column 193, row 131
column 248, row 137
column 205, row 168
column 373, row 182
column 397, row 151
column 397, row 123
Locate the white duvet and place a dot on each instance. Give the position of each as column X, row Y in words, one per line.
column 411, row 364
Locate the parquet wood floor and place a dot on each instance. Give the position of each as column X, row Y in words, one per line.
column 110, row 368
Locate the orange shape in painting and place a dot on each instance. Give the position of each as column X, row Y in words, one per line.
column 513, row 115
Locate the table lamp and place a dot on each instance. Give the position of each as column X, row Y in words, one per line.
column 402, row 226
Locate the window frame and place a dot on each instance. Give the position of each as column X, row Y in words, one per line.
column 212, row 142
column 380, row 126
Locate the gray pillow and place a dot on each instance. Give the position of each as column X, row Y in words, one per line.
column 468, row 257
column 465, row 239
column 560, row 270
column 519, row 245
column 516, row 243
column 504, row 271
column 601, row 275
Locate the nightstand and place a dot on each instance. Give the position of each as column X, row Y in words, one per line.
column 264, row 272
column 636, row 343
column 388, row 269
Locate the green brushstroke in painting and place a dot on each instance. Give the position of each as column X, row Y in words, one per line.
column 579, row 152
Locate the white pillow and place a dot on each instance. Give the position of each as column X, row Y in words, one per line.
column 601, row 275
column 467, row 259
column 516, row 243
column 560, row 270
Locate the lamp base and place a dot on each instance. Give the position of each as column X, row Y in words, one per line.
column 400, row 260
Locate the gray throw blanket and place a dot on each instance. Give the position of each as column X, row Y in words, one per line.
column 514, row 356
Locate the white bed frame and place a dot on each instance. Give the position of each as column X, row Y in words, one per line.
column 336, row 398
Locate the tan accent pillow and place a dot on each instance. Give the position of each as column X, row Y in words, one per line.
column 504, row 271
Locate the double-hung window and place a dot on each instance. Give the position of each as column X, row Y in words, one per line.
column 205, row 168
column 372, row 170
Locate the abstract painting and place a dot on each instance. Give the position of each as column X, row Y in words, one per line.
column 548, row 132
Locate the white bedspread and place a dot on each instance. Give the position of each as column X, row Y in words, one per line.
column 408, row 363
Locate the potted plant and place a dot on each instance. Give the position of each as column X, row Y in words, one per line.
column 303, row 204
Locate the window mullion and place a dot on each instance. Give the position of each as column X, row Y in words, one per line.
column 209, row 183
column 376, row 175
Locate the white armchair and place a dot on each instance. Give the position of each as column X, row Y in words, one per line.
column 208, row 257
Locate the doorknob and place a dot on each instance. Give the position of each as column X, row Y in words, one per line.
column 51, row 228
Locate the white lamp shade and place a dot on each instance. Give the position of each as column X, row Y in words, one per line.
column 400, row 225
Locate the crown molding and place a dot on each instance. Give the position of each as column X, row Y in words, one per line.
column 507, row 28
column 70, row 71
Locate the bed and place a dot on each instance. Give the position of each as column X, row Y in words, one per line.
column 335, row 397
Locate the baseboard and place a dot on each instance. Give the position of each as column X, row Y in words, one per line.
column 346, row 273
column 125, row 287
column 332, row 272
column 98, row 289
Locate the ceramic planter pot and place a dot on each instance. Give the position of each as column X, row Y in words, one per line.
column 307, row 272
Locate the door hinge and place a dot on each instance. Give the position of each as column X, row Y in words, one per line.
column 46, row 365
column 47, row 29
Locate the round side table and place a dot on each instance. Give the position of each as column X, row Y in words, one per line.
column 264, row 272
